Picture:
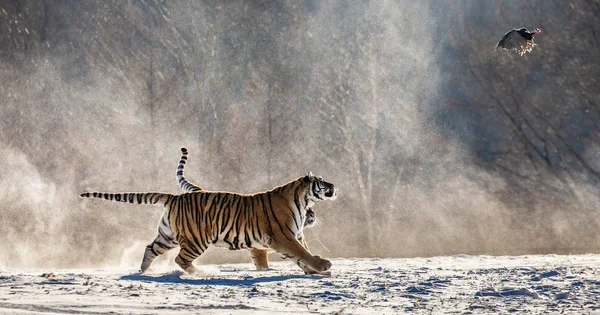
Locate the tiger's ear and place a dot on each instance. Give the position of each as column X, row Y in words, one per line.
column 308, row 177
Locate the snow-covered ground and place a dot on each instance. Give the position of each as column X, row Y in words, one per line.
column 454, row 284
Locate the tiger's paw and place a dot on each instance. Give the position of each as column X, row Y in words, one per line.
column 192, row 270
column 263, row 268
column 321, row 264
column 308, row 270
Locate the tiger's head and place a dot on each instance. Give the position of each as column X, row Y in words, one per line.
column 318, row 189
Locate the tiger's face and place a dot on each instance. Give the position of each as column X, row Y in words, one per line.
column 319, row 189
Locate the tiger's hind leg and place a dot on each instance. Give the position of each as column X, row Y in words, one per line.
column 186, row 256
column 155, row 249
column 260, row 258
column 161, row 244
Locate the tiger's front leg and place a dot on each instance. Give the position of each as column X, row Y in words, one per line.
column 261, row 260
column 307, row 269
column 293, row 249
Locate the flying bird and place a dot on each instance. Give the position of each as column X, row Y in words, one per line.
column 519, row 40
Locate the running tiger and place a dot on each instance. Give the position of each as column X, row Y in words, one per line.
column 259, row 256
column 266, row 220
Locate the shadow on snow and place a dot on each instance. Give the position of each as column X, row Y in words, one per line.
column 246, row 281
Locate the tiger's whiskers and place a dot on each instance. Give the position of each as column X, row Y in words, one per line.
column 327, row 249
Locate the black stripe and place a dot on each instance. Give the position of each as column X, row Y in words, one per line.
column 152, row 249
column 236, row 241
column 165, row 236
column 163, row 246
column 264, row 206
column 190, row 218
column 186, row 251
column 224, row 218
column 275, row 217
column 198, row 219
column 294, row 216
column 180, row 218
column 254, row 227
column 188, row 221
column 235, row 226
column 216, row 208
column 297, row 203
column 247, row 239
column 229, row 216
column 244, row 209
column 289, row 229
column 208, row 212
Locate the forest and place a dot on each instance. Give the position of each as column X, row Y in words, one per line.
column 438, row 142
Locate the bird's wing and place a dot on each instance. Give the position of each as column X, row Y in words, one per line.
column 512, row 40
column 501, row 42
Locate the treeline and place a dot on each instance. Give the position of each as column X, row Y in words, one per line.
column 439, row 143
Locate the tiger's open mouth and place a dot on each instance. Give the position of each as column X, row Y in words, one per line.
column 331, row 193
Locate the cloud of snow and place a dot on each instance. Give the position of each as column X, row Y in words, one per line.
column 347, row 90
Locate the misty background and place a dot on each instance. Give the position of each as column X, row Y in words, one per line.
column 438, row 143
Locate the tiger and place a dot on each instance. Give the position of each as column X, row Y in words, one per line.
column 266, row 220
column 259, row 256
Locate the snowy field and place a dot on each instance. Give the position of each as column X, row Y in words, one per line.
column 453, row 285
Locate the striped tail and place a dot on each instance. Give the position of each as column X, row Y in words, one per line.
column 183, row 183
column 139, row 198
